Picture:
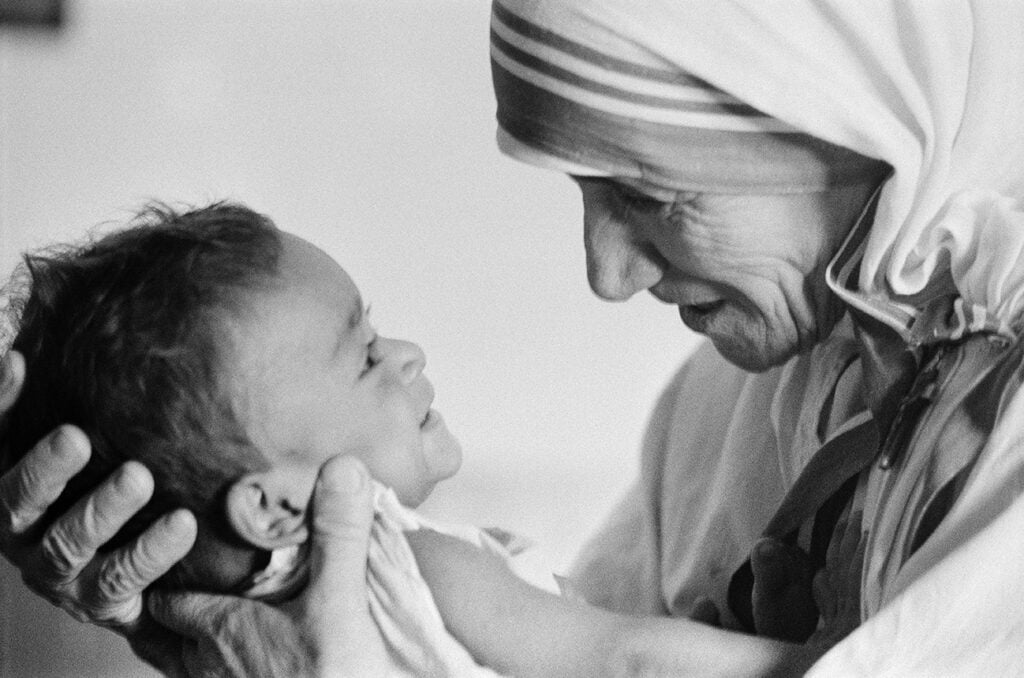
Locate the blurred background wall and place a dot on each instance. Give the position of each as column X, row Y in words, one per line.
column 366, row 127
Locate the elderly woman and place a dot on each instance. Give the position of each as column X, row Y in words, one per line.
column 728, row 156
column 831, row 194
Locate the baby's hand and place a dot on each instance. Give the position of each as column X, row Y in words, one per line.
column 837, row 585
column 783, row 605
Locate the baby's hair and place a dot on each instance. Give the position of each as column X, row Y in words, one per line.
column 126, row 338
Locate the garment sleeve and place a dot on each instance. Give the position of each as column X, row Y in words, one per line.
column 709, row 480
column 618, row 568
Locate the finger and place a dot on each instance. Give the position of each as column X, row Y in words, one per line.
column 231, row 636
column 12, row 376
column 124, row 574
column 342, row 517
column 335, row 603
column 783, row 603
column 193, row 615
column 158, row 647
column 35, row 482
column 72, row 540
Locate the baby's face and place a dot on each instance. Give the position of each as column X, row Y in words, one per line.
column 319, row 381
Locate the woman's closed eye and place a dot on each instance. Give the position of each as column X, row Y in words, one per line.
column 634, row 200
column 655, row 201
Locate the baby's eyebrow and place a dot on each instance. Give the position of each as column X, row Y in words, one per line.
column 355, row 317
column 351, row 325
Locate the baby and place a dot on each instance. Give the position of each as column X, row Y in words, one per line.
column 233, row 359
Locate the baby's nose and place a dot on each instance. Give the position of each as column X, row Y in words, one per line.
column 408, row 357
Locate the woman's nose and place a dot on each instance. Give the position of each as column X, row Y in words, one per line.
column 407, row 357
column 618, row 263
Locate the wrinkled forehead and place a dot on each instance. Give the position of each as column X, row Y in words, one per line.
column 578, row 94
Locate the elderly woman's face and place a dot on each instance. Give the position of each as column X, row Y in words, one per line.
column 748, row 271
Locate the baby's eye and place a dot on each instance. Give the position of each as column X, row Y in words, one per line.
column 371, row 356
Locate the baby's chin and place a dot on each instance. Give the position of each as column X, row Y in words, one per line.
column 445, row 461
column 441, row 465
column 414, row 496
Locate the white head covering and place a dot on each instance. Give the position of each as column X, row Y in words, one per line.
column 932, row 88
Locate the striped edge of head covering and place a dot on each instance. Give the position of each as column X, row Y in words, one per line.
column 575, row 96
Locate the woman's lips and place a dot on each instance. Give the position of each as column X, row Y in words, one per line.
column 697, row 316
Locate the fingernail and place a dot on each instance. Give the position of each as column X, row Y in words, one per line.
column 182, row 522
column 133, row 479
column 347, row 477
column 66, row 441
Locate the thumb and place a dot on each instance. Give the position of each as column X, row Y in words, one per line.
column 342, row 517
column 190, row 614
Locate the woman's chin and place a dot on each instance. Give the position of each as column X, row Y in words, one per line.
column 748, row 341
column 754, row 356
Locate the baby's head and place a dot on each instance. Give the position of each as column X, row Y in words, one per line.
column 232, row 359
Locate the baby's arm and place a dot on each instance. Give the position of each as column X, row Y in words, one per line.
column 506, row 623
column 522, row 631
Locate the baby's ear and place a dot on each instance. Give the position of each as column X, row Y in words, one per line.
column 268, row 509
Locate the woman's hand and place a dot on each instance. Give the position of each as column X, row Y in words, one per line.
column 328, row 630
column 59, row 560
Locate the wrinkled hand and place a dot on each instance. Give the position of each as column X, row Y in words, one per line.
column 59, row 561
column 327, row 631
